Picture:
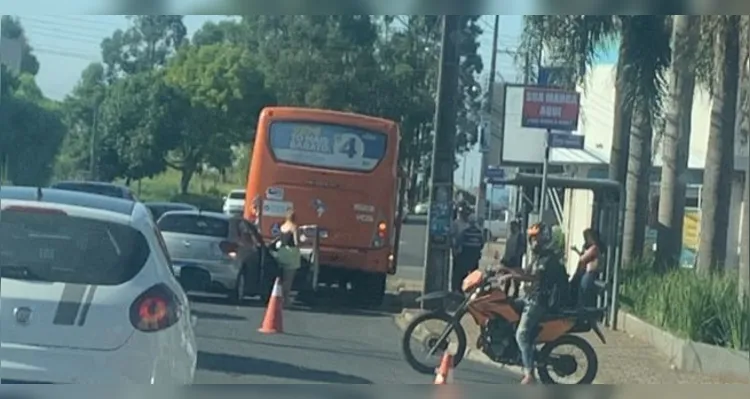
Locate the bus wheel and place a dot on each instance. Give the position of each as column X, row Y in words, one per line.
column 369, row 289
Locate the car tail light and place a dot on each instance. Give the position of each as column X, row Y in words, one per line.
column 156, row 309
column 229, row 248
column 33, row 209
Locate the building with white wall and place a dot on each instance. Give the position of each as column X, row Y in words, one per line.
column 596, row 124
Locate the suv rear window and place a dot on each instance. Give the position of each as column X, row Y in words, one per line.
column 237, row 195
column 60, row 248
column 194, row 224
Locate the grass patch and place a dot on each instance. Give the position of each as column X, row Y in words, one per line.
column 206, row 190
column 166, row 187
column 701, row 309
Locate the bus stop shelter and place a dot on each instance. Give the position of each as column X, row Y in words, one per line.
column 607, row 217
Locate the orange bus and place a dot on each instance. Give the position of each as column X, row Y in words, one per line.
column 338, row 171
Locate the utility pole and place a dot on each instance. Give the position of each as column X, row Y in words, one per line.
column 438, row 247
column 484, row 140
column 92, row 144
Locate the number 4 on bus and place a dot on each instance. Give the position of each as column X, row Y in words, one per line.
column 349, row 148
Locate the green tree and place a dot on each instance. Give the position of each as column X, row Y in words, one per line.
column 743, row 128
column 229, row 31
column 12, row 29
column 676, row 141
column 30, row 125
column 720, row 36
column 141, row 118
column 81, row 110
column 147, row 43
column 643, row 58
column 223, row 94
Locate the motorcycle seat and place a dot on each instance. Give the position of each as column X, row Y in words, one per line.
column 594, row 313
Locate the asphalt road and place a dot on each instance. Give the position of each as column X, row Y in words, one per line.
column 318, row 346
column 412, row 247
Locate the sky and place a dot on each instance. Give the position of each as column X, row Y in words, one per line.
column 66, row 44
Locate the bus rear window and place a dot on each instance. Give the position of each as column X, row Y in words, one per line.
column 327, row 146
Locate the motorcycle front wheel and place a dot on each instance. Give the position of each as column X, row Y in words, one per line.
column 563, row 366
column 424, row 329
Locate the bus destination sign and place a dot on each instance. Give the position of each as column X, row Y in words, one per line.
column 327, row 146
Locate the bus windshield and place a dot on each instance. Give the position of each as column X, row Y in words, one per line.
column 327, row 146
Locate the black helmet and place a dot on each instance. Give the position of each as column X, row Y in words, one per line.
column 463, row 208
column 540, row 236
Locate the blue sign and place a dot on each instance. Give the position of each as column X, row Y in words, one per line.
column 494, row 172
column 275, row 230
column 550, row 76
column 327, row 146
column 566, row 140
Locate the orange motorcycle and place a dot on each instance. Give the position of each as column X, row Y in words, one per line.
column 497, row 315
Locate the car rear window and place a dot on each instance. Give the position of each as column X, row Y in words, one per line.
column 109, row 191
column 237, row 195
column 67, row 249
column 194, row 224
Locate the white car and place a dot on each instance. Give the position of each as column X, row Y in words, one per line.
column 234, row 202
column 88, row 293
column 421, row 208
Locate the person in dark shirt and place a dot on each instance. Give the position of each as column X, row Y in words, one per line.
column 548, row 280
column 469, row 244
column 515, row 248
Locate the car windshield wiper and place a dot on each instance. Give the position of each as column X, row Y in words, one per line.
column 21, row 273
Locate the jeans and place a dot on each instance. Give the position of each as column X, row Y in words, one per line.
column 587, row 296
column 526, row 332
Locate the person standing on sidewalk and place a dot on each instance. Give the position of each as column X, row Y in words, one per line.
column 470, row 245
column 457, row 227
column 587, row 271
column 515, row 248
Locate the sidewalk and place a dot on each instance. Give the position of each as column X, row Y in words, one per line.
column 623, row 360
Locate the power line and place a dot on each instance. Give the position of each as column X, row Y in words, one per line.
column 78, row 19
column 32, row 33
column 76, row 28
column 69, row 54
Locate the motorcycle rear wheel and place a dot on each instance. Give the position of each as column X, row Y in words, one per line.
column 412, row 328
column 573, row 340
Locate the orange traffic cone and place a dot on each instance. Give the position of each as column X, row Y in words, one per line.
column 272, row 322
column 444, row 374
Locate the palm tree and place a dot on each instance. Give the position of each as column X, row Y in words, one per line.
column 644, row 57
column 676, row 140
column 647, row 55
column 721, row 33
column 743, row 128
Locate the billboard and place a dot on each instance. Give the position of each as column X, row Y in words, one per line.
column 549, row 108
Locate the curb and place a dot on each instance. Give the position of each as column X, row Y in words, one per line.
column 687, row 355
column 420, row 333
